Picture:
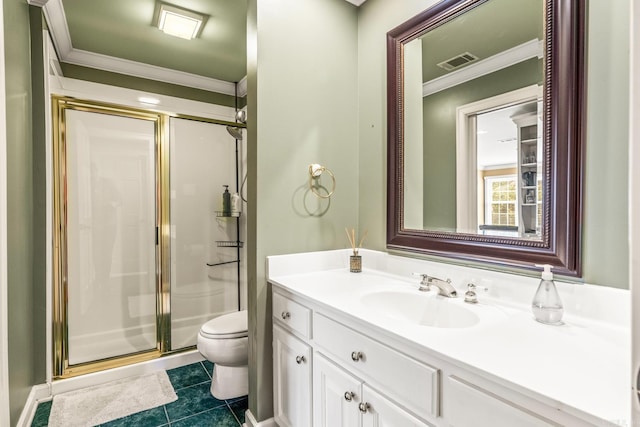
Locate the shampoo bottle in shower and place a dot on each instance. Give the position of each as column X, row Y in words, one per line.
column 546, row 304
column 226, row 201
column 235, row 204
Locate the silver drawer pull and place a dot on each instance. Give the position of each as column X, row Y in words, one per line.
column 356, row 355
column 364, row 407
column 348, row 396
column 300, row 359
column 285, row 315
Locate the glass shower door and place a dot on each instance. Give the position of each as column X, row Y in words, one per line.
column 109, row 197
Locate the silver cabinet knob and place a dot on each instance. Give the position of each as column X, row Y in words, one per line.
column 364, row 407
column 348, row 396
column 300, row 359
column 285, row 315
column 356, row 355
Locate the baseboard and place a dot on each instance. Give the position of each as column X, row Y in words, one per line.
column 250, row 421
column 38, row 393
column 96, row 378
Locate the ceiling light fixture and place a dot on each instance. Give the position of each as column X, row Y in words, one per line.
column 179, row 22
column 148, row 100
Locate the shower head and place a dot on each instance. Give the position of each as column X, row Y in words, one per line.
column 235, row 132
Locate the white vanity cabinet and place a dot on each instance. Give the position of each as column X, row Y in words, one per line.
column 411, row 383
column 342, row 400
column 356, row 380
column 333, row 370
column 292, row 363
column 369, row 360
column 337, row 395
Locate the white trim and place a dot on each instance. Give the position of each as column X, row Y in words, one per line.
column 39, row 393
column 527, row 50
column 466, row 181
column 97, row 378
column 4, row 331
column 634, row 206
column 39, row 3
column 138, row 69
column 356, row 2
column 55, row 16
column 488, row 202
column 57, row 20
column 105, row 93
column 242, row 87
column 51, row 56
column 250, row 421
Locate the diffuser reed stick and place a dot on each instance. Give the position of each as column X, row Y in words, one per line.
column 351, row 235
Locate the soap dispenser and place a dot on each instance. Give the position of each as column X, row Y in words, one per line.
column 546, row 305
column 226, row 201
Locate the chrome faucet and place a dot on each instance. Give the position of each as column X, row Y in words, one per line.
column 444, row 286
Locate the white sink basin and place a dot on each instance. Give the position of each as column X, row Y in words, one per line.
column 425, row 309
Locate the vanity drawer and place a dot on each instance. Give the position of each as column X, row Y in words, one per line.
column 466, row 404
column 400, row 377
column 291, row 315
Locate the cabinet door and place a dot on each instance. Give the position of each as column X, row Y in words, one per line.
column 291, row 380
column 378, row 411
column 336, row 395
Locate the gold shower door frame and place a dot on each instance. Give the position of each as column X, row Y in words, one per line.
column 62, row 368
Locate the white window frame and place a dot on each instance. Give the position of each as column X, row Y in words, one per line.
column 488, row 200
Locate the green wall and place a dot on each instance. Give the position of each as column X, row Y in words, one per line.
column 439, row 120
column 39, row 173
column 301, row 104
column 606, row 230
column 25, row 216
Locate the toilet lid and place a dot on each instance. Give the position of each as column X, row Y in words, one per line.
column 232, row 325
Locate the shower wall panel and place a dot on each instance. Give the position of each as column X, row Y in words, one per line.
column 202, row 160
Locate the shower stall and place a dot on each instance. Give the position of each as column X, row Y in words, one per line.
column 142, row 254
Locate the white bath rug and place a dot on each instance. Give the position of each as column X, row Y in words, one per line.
column 100, row 404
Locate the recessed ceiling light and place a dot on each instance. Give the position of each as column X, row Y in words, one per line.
column 180, row 22
column 149, row 100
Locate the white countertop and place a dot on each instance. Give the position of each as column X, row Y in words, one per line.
column 583, row 366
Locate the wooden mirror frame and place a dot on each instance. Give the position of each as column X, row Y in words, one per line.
column 563, row 131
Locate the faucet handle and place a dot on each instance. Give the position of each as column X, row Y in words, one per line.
column 424, row 278
column 425, row 282
column 471, row 296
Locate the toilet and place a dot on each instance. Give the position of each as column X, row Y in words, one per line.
column 225, row 342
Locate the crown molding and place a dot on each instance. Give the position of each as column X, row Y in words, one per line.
column 56, row 19
column 527, row 50
column 39, row 3
column 242, row 87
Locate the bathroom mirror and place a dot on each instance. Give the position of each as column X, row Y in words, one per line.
column 485, row 103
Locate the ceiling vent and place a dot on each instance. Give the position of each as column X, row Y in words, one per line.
column 458, row 61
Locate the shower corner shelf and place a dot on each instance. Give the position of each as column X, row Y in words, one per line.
column 223, row 214
column 229, row 244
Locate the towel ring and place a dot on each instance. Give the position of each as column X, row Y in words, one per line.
column 315, row 171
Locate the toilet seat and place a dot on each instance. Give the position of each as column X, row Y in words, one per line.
column 229, row 326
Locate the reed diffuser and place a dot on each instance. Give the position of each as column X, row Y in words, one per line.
column 355, row 260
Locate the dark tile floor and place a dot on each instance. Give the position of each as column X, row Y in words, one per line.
column 195, row 405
